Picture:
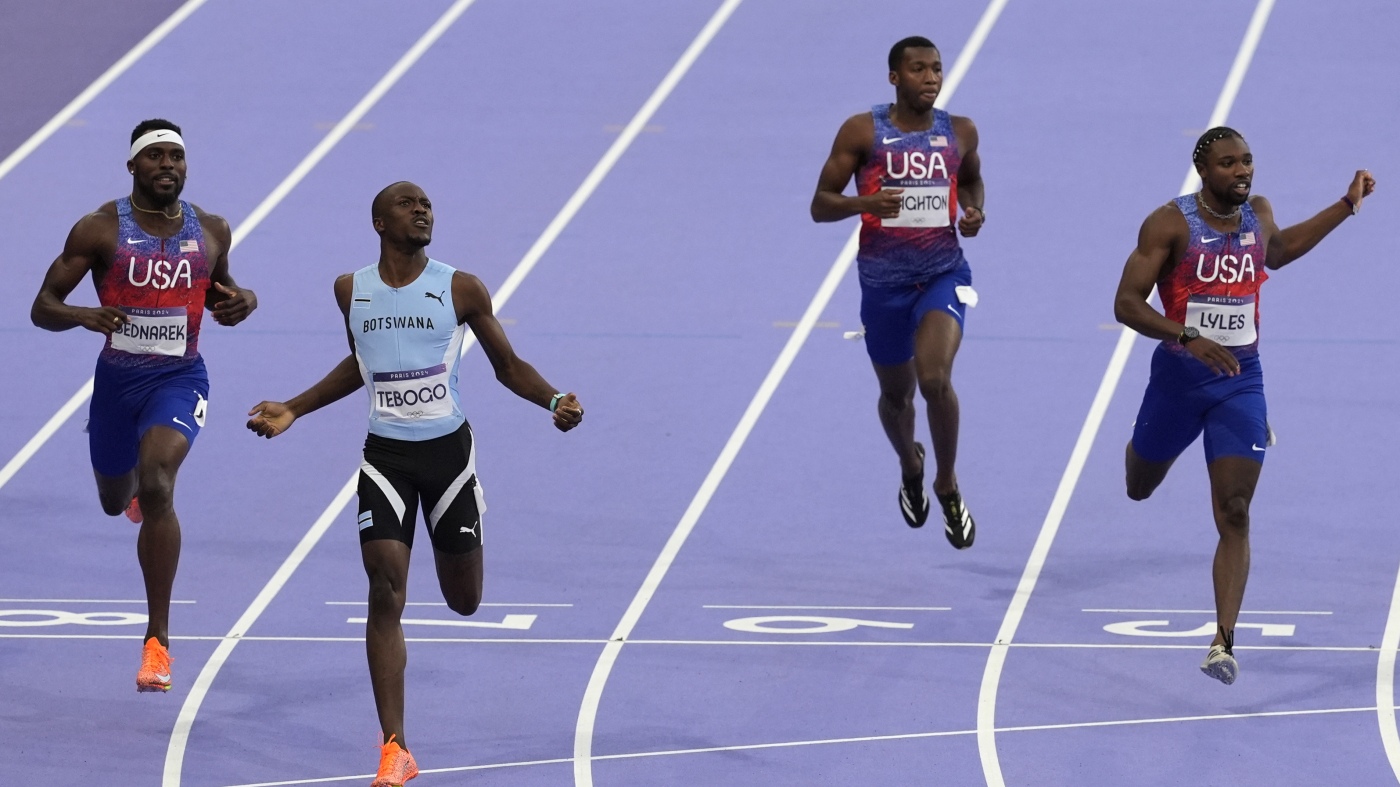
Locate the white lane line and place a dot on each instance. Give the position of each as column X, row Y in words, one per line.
column 593, row 693
column 1385, row 683
column 705, row 642
column 996, row 657
column 81, row 601
column 875, row 609
column 179, row 737
column 443, row 604
column 45, row 432
column 835, row 741
column 100, row 84
column 1209, row 611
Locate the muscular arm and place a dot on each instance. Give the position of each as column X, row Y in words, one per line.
column 229, row 303
column 473, row 305
column 270, row 419
column 1287, row 245
column 971, row 192
column 829, row 203
column 1155, row 247
column 90, row 242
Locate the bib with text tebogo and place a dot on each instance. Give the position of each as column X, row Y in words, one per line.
column 405, row 397
column 152, row 331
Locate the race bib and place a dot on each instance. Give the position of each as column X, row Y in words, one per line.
column 405, row 397
column 923, row 207
column 1224, row 319
column 152, row 331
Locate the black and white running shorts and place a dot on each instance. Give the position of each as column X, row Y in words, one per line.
column 441, row 472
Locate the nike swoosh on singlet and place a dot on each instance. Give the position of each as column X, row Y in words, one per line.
column 887, row 140
column 1204, row 239
column 134, row 241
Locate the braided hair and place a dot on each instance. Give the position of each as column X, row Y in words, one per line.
column 1209, row 138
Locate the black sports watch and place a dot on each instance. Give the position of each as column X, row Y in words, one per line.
column 1187, row 334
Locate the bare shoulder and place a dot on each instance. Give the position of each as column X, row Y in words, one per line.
column 857, row 132
column 1261, row 205
column 468, row 284
column 966, row 132
column 1165, row 225
column 212, row 222
column 96, row 231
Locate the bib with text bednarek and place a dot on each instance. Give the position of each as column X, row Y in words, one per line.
column 923, row 207
column 153, row 331
column 1224, row 319
column 404, row 397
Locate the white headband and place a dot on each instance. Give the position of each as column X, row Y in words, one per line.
column 152, row 137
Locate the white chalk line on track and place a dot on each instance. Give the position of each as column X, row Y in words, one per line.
column 860, row 739
column 996, row 657
column 593, row 693
column 708, row 642
column 179, row 737
column 98, row 85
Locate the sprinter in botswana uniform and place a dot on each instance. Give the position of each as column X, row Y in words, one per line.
column 406, row 318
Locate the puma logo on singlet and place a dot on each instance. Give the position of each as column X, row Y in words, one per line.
column 437, row 297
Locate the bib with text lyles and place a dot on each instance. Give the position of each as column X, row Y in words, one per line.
column 1224, row 319
column 405, row 397
column 152, row 331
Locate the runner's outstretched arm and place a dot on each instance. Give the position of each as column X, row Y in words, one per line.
column 1293, row 242
column 270, row 419
column 474, row 309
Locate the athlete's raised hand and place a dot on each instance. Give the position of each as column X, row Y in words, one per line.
column 270, row 419
column 236, row 305
column 883, row 203
column 1361, row 187
column 568, row 413
column 1219, row 359
column 971, row 221
column 101, row 319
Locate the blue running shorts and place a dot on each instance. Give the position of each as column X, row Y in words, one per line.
column 1185, row 398
column 891, row 315
column 128, row 400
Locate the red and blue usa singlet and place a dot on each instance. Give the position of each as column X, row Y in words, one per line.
column 922, row 241
column 1214, row 287
column 160, row 283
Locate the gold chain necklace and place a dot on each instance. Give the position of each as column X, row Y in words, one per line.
column 179, row 209
column 1221, row 216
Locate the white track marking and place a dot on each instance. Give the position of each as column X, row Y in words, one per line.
column 45, row 432
column 593, row 693
column 179, row 737
column 80, row 601
column 877, row 609
column 1207, row 611
column 441, row 604
column 1385, row 683
column 706, row 642
column 100, row 84
column 996, row 658
column 836, row 741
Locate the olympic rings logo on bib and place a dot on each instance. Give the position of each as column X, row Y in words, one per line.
column 415, row 395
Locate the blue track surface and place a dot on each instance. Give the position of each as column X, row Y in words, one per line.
column 663, row 303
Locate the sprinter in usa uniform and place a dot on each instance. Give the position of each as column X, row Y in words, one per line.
column 406, row 317
column 158, row 262
column 1208, row 254
column 913, row 165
